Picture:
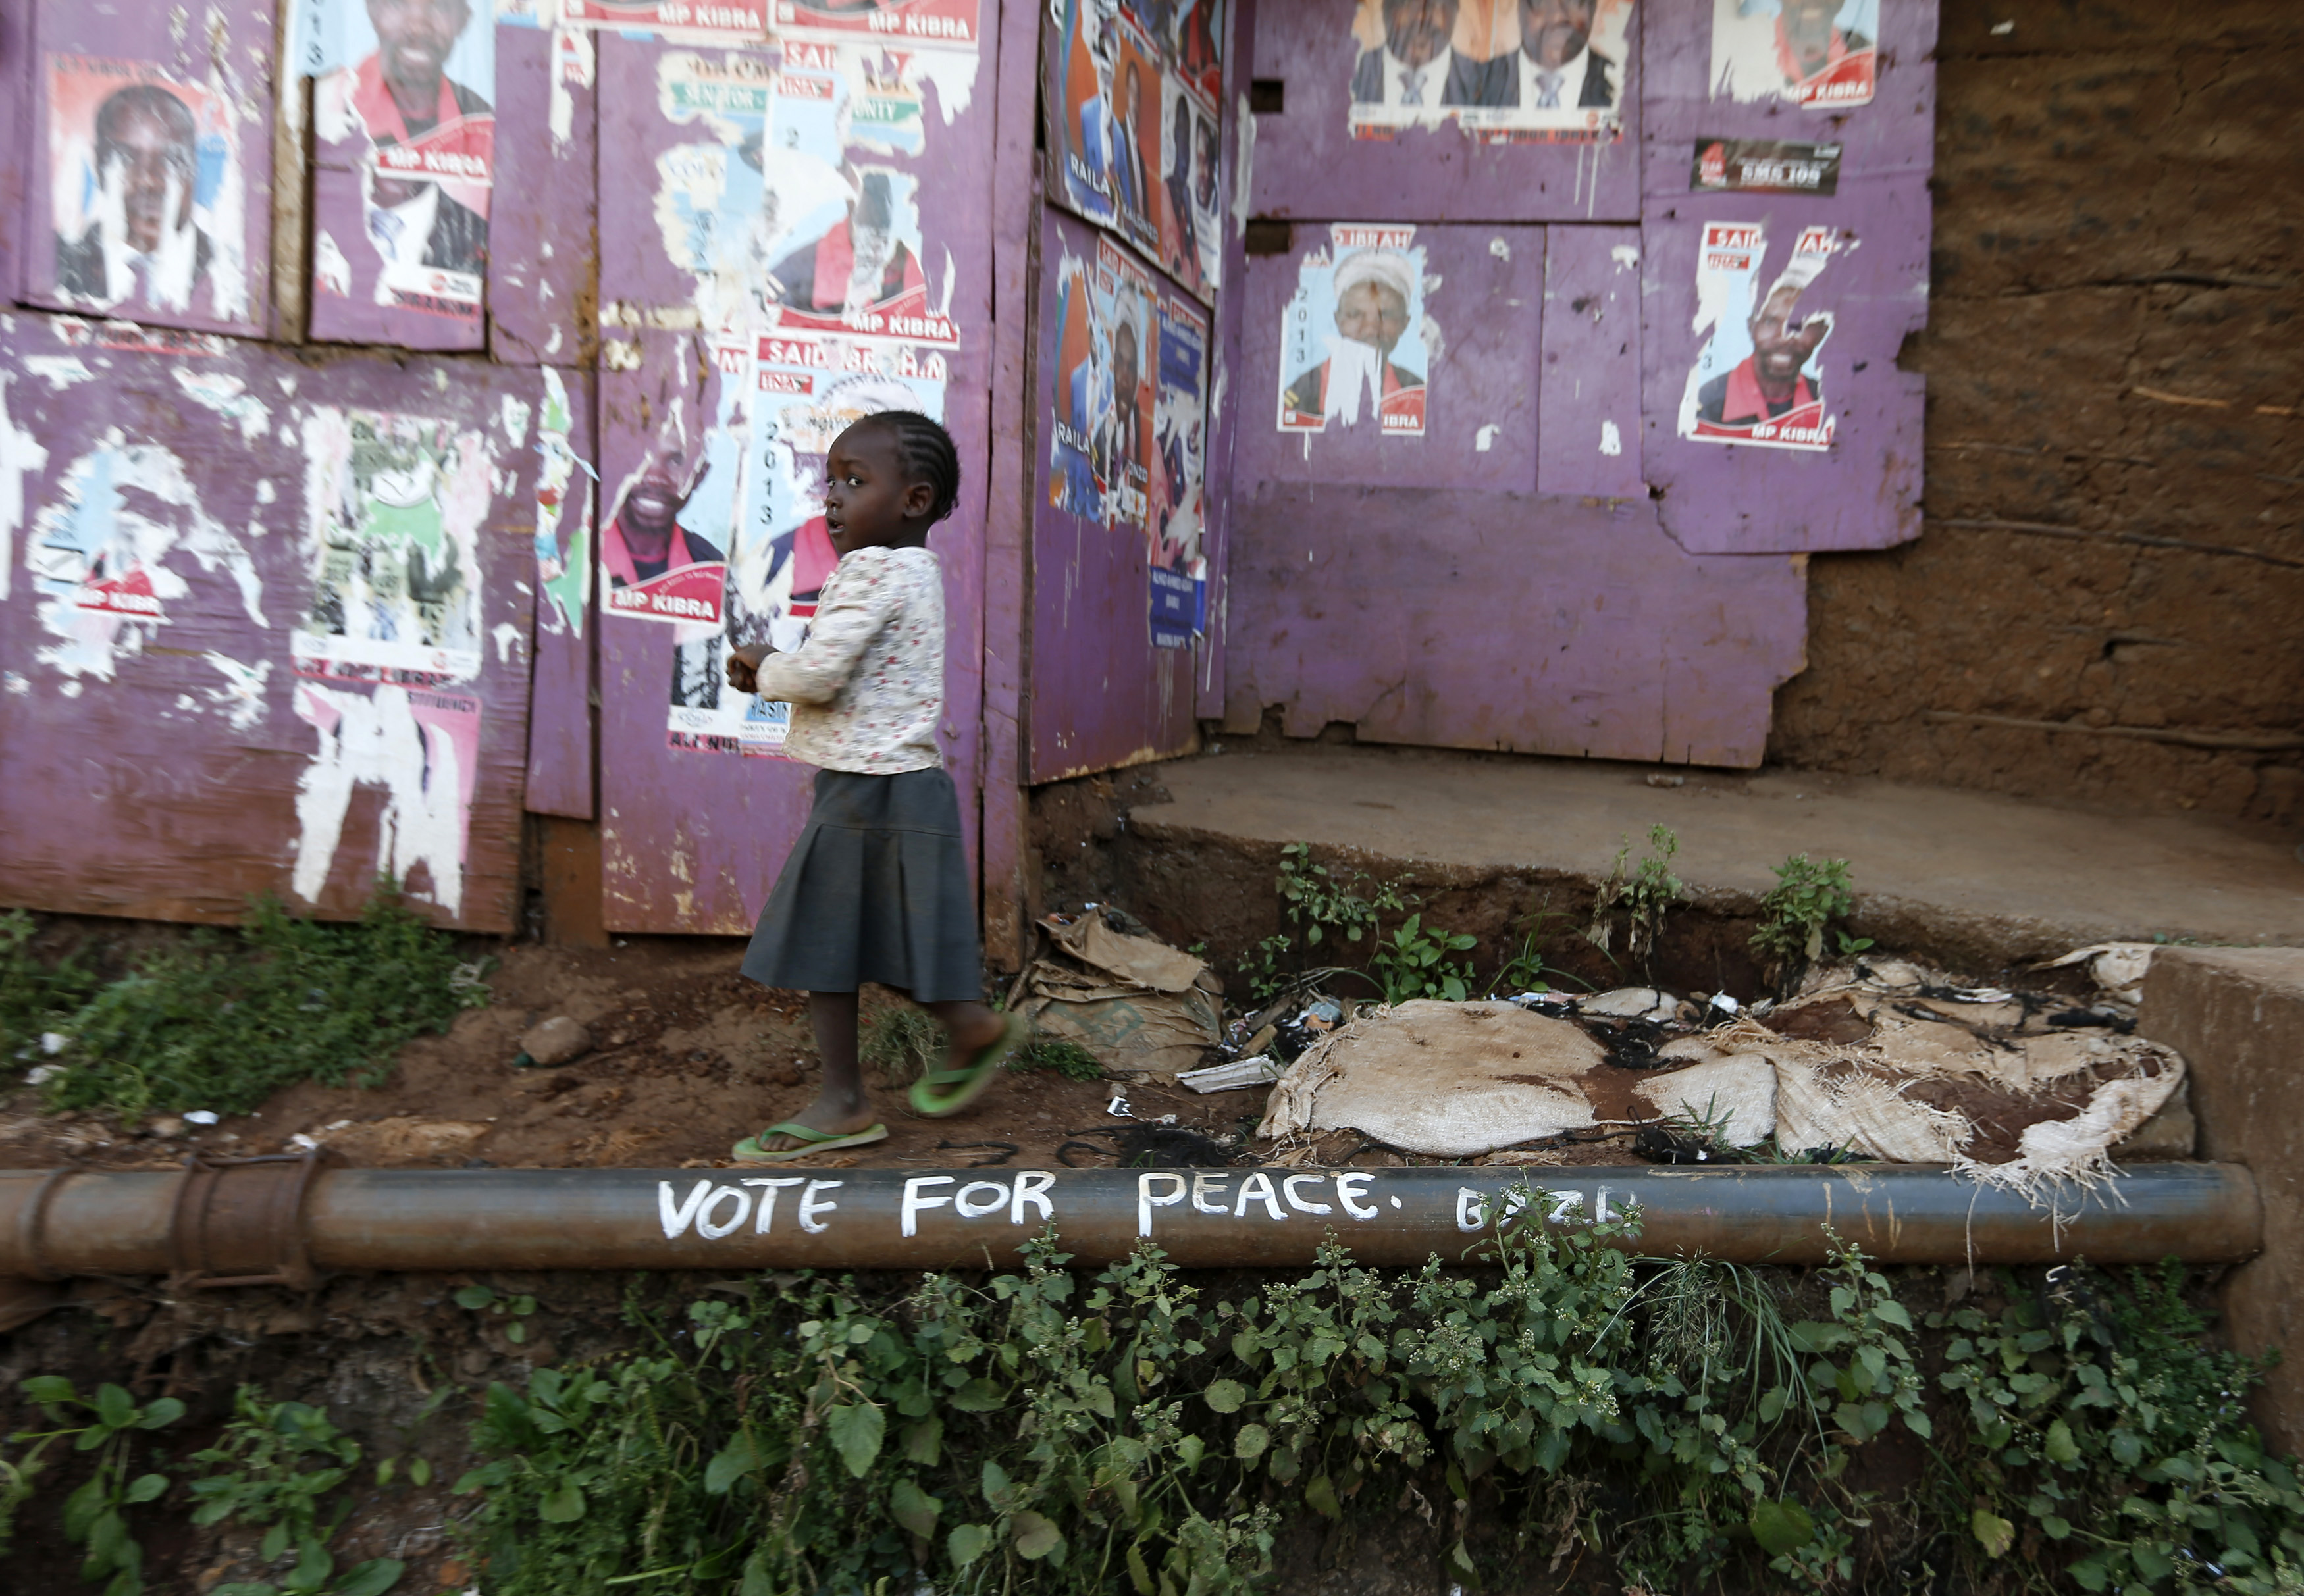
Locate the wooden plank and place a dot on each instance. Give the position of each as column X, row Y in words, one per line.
column 562, row 733
column 16, row 56
column 1007, row 570
column 242, row 657
column 545, row 230
column 1588, row 392
column 1309, row 164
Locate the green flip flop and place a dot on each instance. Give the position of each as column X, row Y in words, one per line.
column 812, row 1140
column 928, row 1096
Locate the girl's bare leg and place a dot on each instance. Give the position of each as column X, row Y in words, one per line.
column 971, row 1025
column 841, row 1105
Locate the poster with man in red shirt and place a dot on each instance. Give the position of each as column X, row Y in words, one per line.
column 1758, row 378
column 410, row 80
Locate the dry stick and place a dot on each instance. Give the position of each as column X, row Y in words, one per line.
column 2260, row 742
column 2141, row 539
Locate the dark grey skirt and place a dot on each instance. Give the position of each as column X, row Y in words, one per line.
column 875, row 890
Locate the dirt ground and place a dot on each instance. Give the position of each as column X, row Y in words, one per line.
column 690, row 1057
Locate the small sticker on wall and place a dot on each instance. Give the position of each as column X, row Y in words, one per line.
column 1760, row 378
column 1352, row 344
column 1764, row 166
column 1818, row 53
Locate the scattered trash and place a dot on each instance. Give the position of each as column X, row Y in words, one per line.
column 41, row 1075
column 1148, row 1146
column 1632, row 1002
column 1261, row 1070
column 1658, row 778
column 1133, row 1001
column 302, row 1143
column 200, row 1117
column 53, row 1042
column 2118, row 968
column 555, row 1042
column 1723, row 1002
column 167, row 1126
column 1004, row 1149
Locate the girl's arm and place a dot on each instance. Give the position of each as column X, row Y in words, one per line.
column 858, row 606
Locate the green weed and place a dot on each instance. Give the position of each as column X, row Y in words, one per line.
column 223, row 1021
column 902, row 1044
column 275, row 1465
column 1413, row 963
column 94, row 1516
column 1807, row 897
column 36, row 994
column 1067, row 1057
column 1638, row 896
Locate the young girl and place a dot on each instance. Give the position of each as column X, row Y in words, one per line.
column 876, row 888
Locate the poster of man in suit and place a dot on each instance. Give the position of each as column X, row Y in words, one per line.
column 1101, row 433
column 1822, row 53
column 1191, row 238
column 1505, row 71
column 1177, row 518
column 1352, row 348
column 146, row 189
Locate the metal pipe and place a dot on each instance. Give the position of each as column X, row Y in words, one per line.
column 130, row 1223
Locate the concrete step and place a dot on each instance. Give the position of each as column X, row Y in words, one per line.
column 1971, row 879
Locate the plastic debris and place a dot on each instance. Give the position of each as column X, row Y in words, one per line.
column 200, row 1117
column 1231, row 1076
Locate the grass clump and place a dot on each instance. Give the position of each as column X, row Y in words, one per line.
column 902, row 1044
column 1067, row 1057
column 222, row 1021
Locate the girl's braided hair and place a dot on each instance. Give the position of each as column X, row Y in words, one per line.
column 926, row 453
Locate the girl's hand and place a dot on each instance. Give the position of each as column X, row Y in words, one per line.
column 744, row 666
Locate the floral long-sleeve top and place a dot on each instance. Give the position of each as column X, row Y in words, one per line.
column 867, row 689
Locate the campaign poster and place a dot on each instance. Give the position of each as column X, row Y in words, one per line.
column 737, row 21
column 410, row 86
column 1190, row 34
column 663, row 545
column 711, row 198
column 1818, row 53
column 1760, row 378
column 1177, row 509
column 1352, row 348
column 840, row 234
column 1764, row 166
column 1192, row 218
column 805, row 391
column 394, row 505
column 1107, row 118
column 1101, row 436
column 946, row 22
column 146, row 192
column 1538, row 71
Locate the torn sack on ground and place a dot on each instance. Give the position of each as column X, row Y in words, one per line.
column 1133, row 1001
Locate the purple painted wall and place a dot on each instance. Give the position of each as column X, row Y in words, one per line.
column 220, row 76
column 1865, row 492
column 1308, row 165
column 692, row 840
column 1512, row 621
column 15, row 142
column 1484, row 309
column 1588, row 387
column 1102, row 694
column 545, row 233
column 183, row 726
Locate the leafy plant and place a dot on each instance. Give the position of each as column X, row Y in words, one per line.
column 36, row 994
column 2098, row 1423
column 1639, row 896
column 1794, row 914
column 1066, row 1057
column 275, row 1465
column 1318, row 903
column 902, row 1044
column 223, row 1022
column 1413, row 962
column 96, row 1515
column 513, row 1311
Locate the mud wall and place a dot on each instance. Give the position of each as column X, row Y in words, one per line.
column 2111, row 384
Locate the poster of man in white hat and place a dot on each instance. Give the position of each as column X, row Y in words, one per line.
column 1352, row 348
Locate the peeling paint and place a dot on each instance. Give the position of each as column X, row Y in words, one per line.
column 422, row 749
column 20, row 457
column 59, row 371
column 243, row 693
column 227, row 396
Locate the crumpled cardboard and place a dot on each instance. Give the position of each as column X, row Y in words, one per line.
column 1133, row 1001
